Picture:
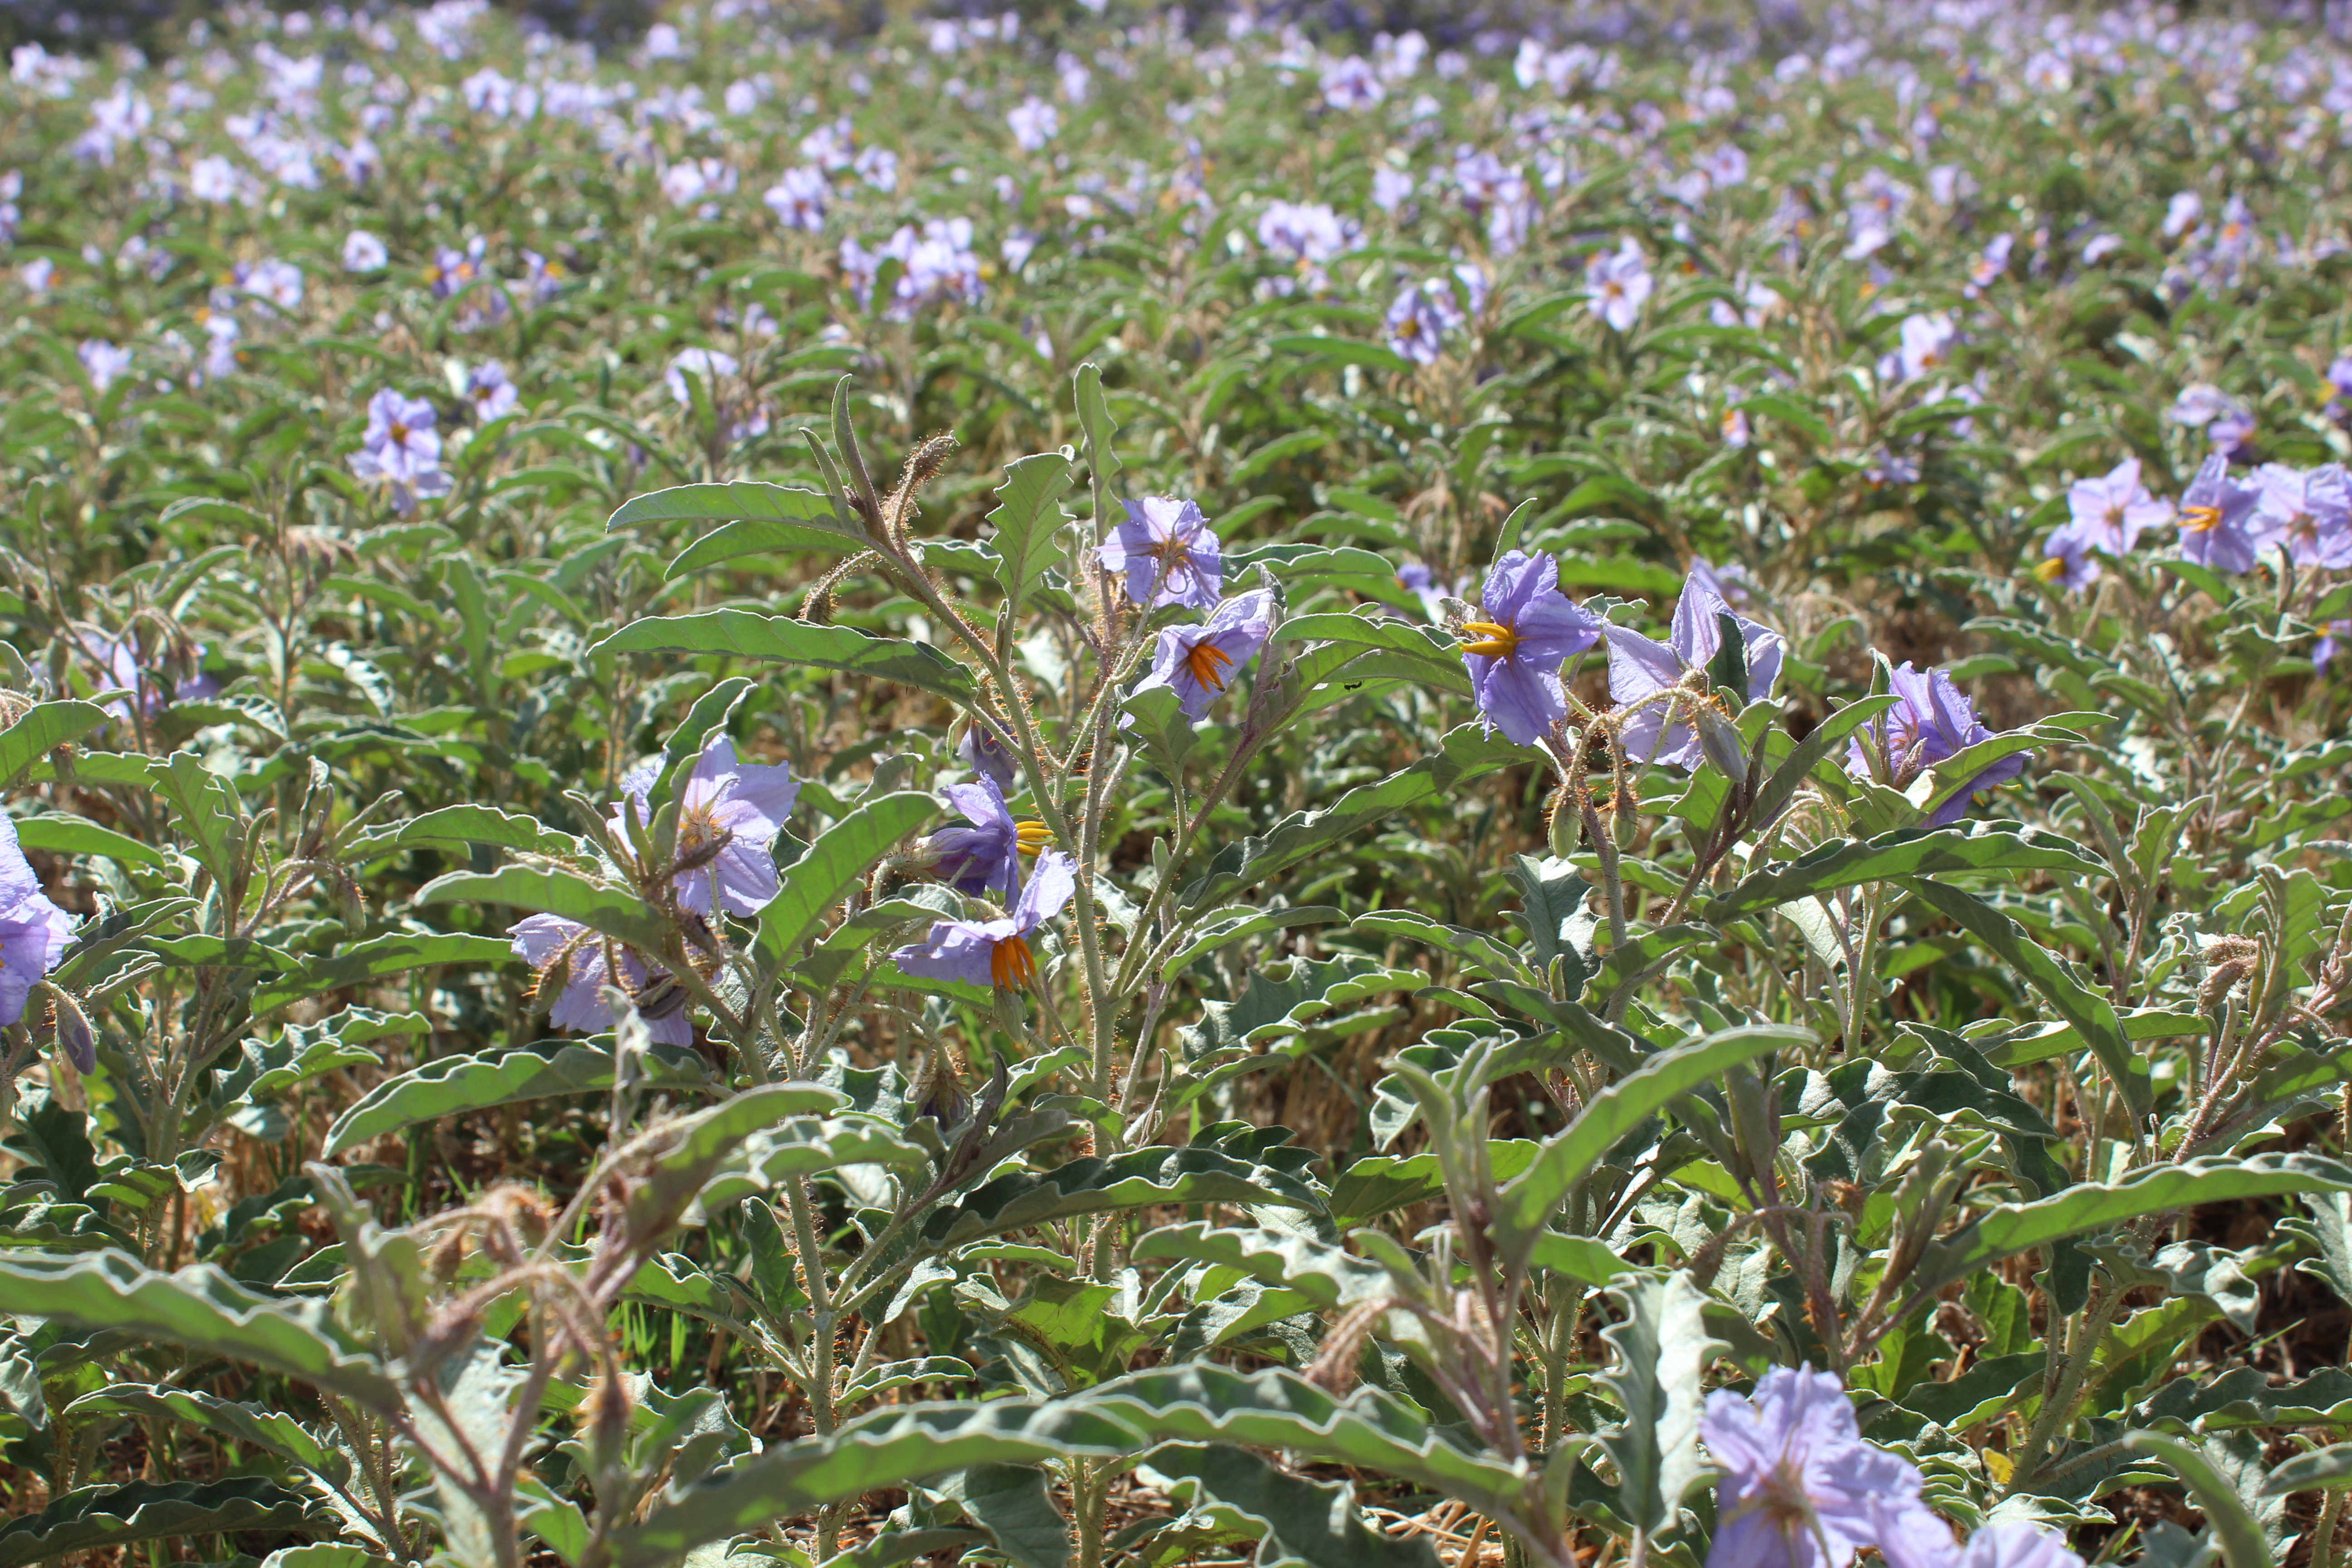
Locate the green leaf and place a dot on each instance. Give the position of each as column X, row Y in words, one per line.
column 71, row 836
column 209, row 816
column 256, row 1425
column 1014, row 1504
column 1528, row 1204
column 889, row 1448
column 1330, row 1278
column 1342, row 639
column 394, row 952
column 1908, row 852
column 782, row 641
column 97, row 1518
column 2326, row 1469
column 1341, row 350
column 2090, row 1012
column 1662, row 1349
column 454, row 1086
column 2012, row 1228
column 1467, row 754
column 759, row 520
column 2243, row 1544
column 837, row 861
column 202, row 1308
column 468, row 825
column 1313, row 1524
column 1094, row 417
column 1238, row 922
column 42, row 729
column 1137, row 1179
column 623, row 916
column 1028, row 522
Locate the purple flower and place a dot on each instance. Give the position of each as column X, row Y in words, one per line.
column 1417, row 318
column 2306, row 511
column 1617, row 283
column 1640, row 669
column 2323, row 653
column 118, row 661
column 730, row 813
column 103, row 363
column 454, row 271
column 492, row 394
column 1932, row 719
column 400, row 451
column 545, row 941
column 995, row 952
column 2017, row 1543
column 2228, row 426
column 1927, row 346
column 798, row 197
column 1911, row 1536
column 363, row 252
column 985, row 857
column 987, row 753
column 2110, row 513
column 1197, row 662
column 1800, row 1489
column 2339, row 382
column 1527, row 630
column 1417, row 578
column 2067, row 561
column 1035, row 123
column 2214, row 513
column 33, row 930
column 1169, row 551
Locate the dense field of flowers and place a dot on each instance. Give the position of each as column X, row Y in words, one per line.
column 1104, row 785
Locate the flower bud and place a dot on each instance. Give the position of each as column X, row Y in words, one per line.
column 1720, row 739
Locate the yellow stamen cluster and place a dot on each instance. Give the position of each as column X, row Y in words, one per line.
column 1032, row 836
column 1491, row 640
column 1011, row 965
column 1208, row 663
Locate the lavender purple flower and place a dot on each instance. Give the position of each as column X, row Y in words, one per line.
column 2215, row 512
column 995, row 952
column 2110, row 512
column 1800, row 1489
column 730, row 813
column 1932, row 719
column 1616, row 283
column 1169, row 551
column 1527, row 630
column 33, row 930
column 492, row 394
column 1641, row 668
column 984, row 856
column 2308, row 512
column 547, row 941
column 400, row 451
column 989, row 754
column 1198, row 662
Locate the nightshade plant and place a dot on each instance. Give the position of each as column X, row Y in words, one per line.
column 796, row 836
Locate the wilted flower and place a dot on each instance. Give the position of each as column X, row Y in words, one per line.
column 363, row 252
column 1617, row 283
column 103, row 362
column 400, row 451
column 1800, row 1489
column 1640, row 669
column 1526, row 630
column 986, row 855
column 1932, row 719
column 33, row 930
column 2214, row 513
column 2308, row 512
column 728, row 814
column 1035, row 123
column 798, row 196
column 1169, row 551
column 1198, row 662
column 492, row 394
column 987, row 753
column 2110, row 512
column 995, row 952
column 546, row 942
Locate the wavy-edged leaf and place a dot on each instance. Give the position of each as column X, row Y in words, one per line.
column 2243, row 1544
column 552, row 891
column 1528, row 1203
column 837, row 862
column 1908, row 852
column 1330, row 1278
column 1312, row 1524
column 891, row 1447
column 1154, row 1174
column 1662, row 1347
column 453, row 1086
column 779, row 639
column 1792, row 772
column 1238, row 922
column 255, row 1425
column 42, row 729
column 757, row 518
column 97, row 1518
column 2327, row 1469
column 2091, row 1014
column 199, row 1307
column 394, row 952
column 2012, row 1228
column 1028, row 522
column 60, row 834
column 1428, row 653
column 458, row 826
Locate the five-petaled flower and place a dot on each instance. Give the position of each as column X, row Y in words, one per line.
column 2308, row 512
column 1169, row 551
column 1617, row 283
column 995, row 952
column 1641, row 668
column 2215, row 512
column 1198, row 662
column 730, row 813
column 2111, row 512
column 400, row 451
column 1527, row 630
column 1800, row 1489
column 1932, row 720
column 985, row 857
column 547, row 942
column 33, row 930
